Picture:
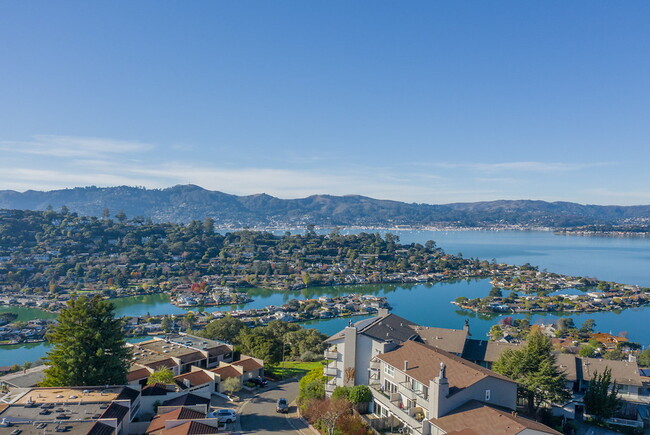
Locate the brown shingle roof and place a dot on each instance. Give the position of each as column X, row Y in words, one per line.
column 196, row 378
column 156, row 365
column 190, row 428
column 424, row 365
column 182, row 413
column 248, row 364
column 451, row 340
column 227, row 372
column 137, row 372
column 191, row 357
column 484, row 419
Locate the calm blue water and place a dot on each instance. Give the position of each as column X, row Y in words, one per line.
column 625, row 260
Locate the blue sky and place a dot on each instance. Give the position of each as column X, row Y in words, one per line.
column 430, row 102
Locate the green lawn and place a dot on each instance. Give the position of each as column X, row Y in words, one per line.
column 290, row 369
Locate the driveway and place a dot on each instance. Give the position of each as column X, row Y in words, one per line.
column 258, row 414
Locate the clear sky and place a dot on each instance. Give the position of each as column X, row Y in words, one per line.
column 426, row 101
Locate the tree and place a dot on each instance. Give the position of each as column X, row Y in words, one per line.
column 360, row 394
column 534, row 368
column 257, row 345
column 328, row 412
column 496, row 292
column 106, row 213
column 588, row 326
column 587, row 350
column 231, row 385
column 644, row 358
column 312, row 385
column 161, row 376
column 89, row 347
column 601, row 398
column 224, row 329
column 188, row 320
column 565, row 323
column 166, row 324
column 121, row 216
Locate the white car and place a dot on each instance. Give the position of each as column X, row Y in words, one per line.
column 224, row 415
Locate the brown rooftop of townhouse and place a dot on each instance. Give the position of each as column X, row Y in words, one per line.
column 181, row 413
column 423, row 364
column 451, row 340
column 248, row 364
column 190, row 428
column 198, row 377
column 485, row 419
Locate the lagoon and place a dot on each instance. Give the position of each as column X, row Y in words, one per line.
column 625, row 260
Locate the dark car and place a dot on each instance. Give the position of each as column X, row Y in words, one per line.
column 282, row 406
column 261, row 382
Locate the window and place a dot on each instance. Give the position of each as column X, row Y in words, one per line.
column 487, row 395
column 389, row 370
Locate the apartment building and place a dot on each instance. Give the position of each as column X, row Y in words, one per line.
column 420, row 382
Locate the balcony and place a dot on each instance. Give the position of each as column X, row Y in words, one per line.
column 393, row 402
column 330, row 386
column 330, row 370
column 407, row 389
column 331, row 354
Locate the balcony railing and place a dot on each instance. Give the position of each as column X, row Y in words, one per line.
column 393, row 402
column 331, row 354
column 330, row 370
column 330, row 385
column 407, row 389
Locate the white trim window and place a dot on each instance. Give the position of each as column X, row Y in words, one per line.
column 389, row 370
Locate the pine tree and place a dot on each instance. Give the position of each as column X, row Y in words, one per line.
column 89, row 346
column 601, row 400
column 535, row 370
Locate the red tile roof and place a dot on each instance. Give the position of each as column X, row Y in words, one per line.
column 158, row 422
column 190, row 428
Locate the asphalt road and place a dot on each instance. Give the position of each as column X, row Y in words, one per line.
column 258, row 415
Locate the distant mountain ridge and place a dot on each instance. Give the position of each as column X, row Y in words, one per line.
column 183, row 203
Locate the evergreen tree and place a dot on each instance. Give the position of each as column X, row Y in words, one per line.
column 89, row 346
column 534, row 369
column 601, row 400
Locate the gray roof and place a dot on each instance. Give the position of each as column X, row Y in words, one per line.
column 483, row 350
column 25, row 379
column 568, row 363
column 623, row 372
column 388, row 327
column 71, row 428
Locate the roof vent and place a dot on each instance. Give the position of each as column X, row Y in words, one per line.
column 406, row 365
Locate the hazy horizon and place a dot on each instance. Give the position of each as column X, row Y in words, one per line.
column 418, row 102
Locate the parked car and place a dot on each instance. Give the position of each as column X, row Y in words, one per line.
column 224, row 415
column 261, row 382
column 282, row 406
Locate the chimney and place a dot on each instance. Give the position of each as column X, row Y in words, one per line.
column 466, row 327
column 382, row 312
column 406, row 365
